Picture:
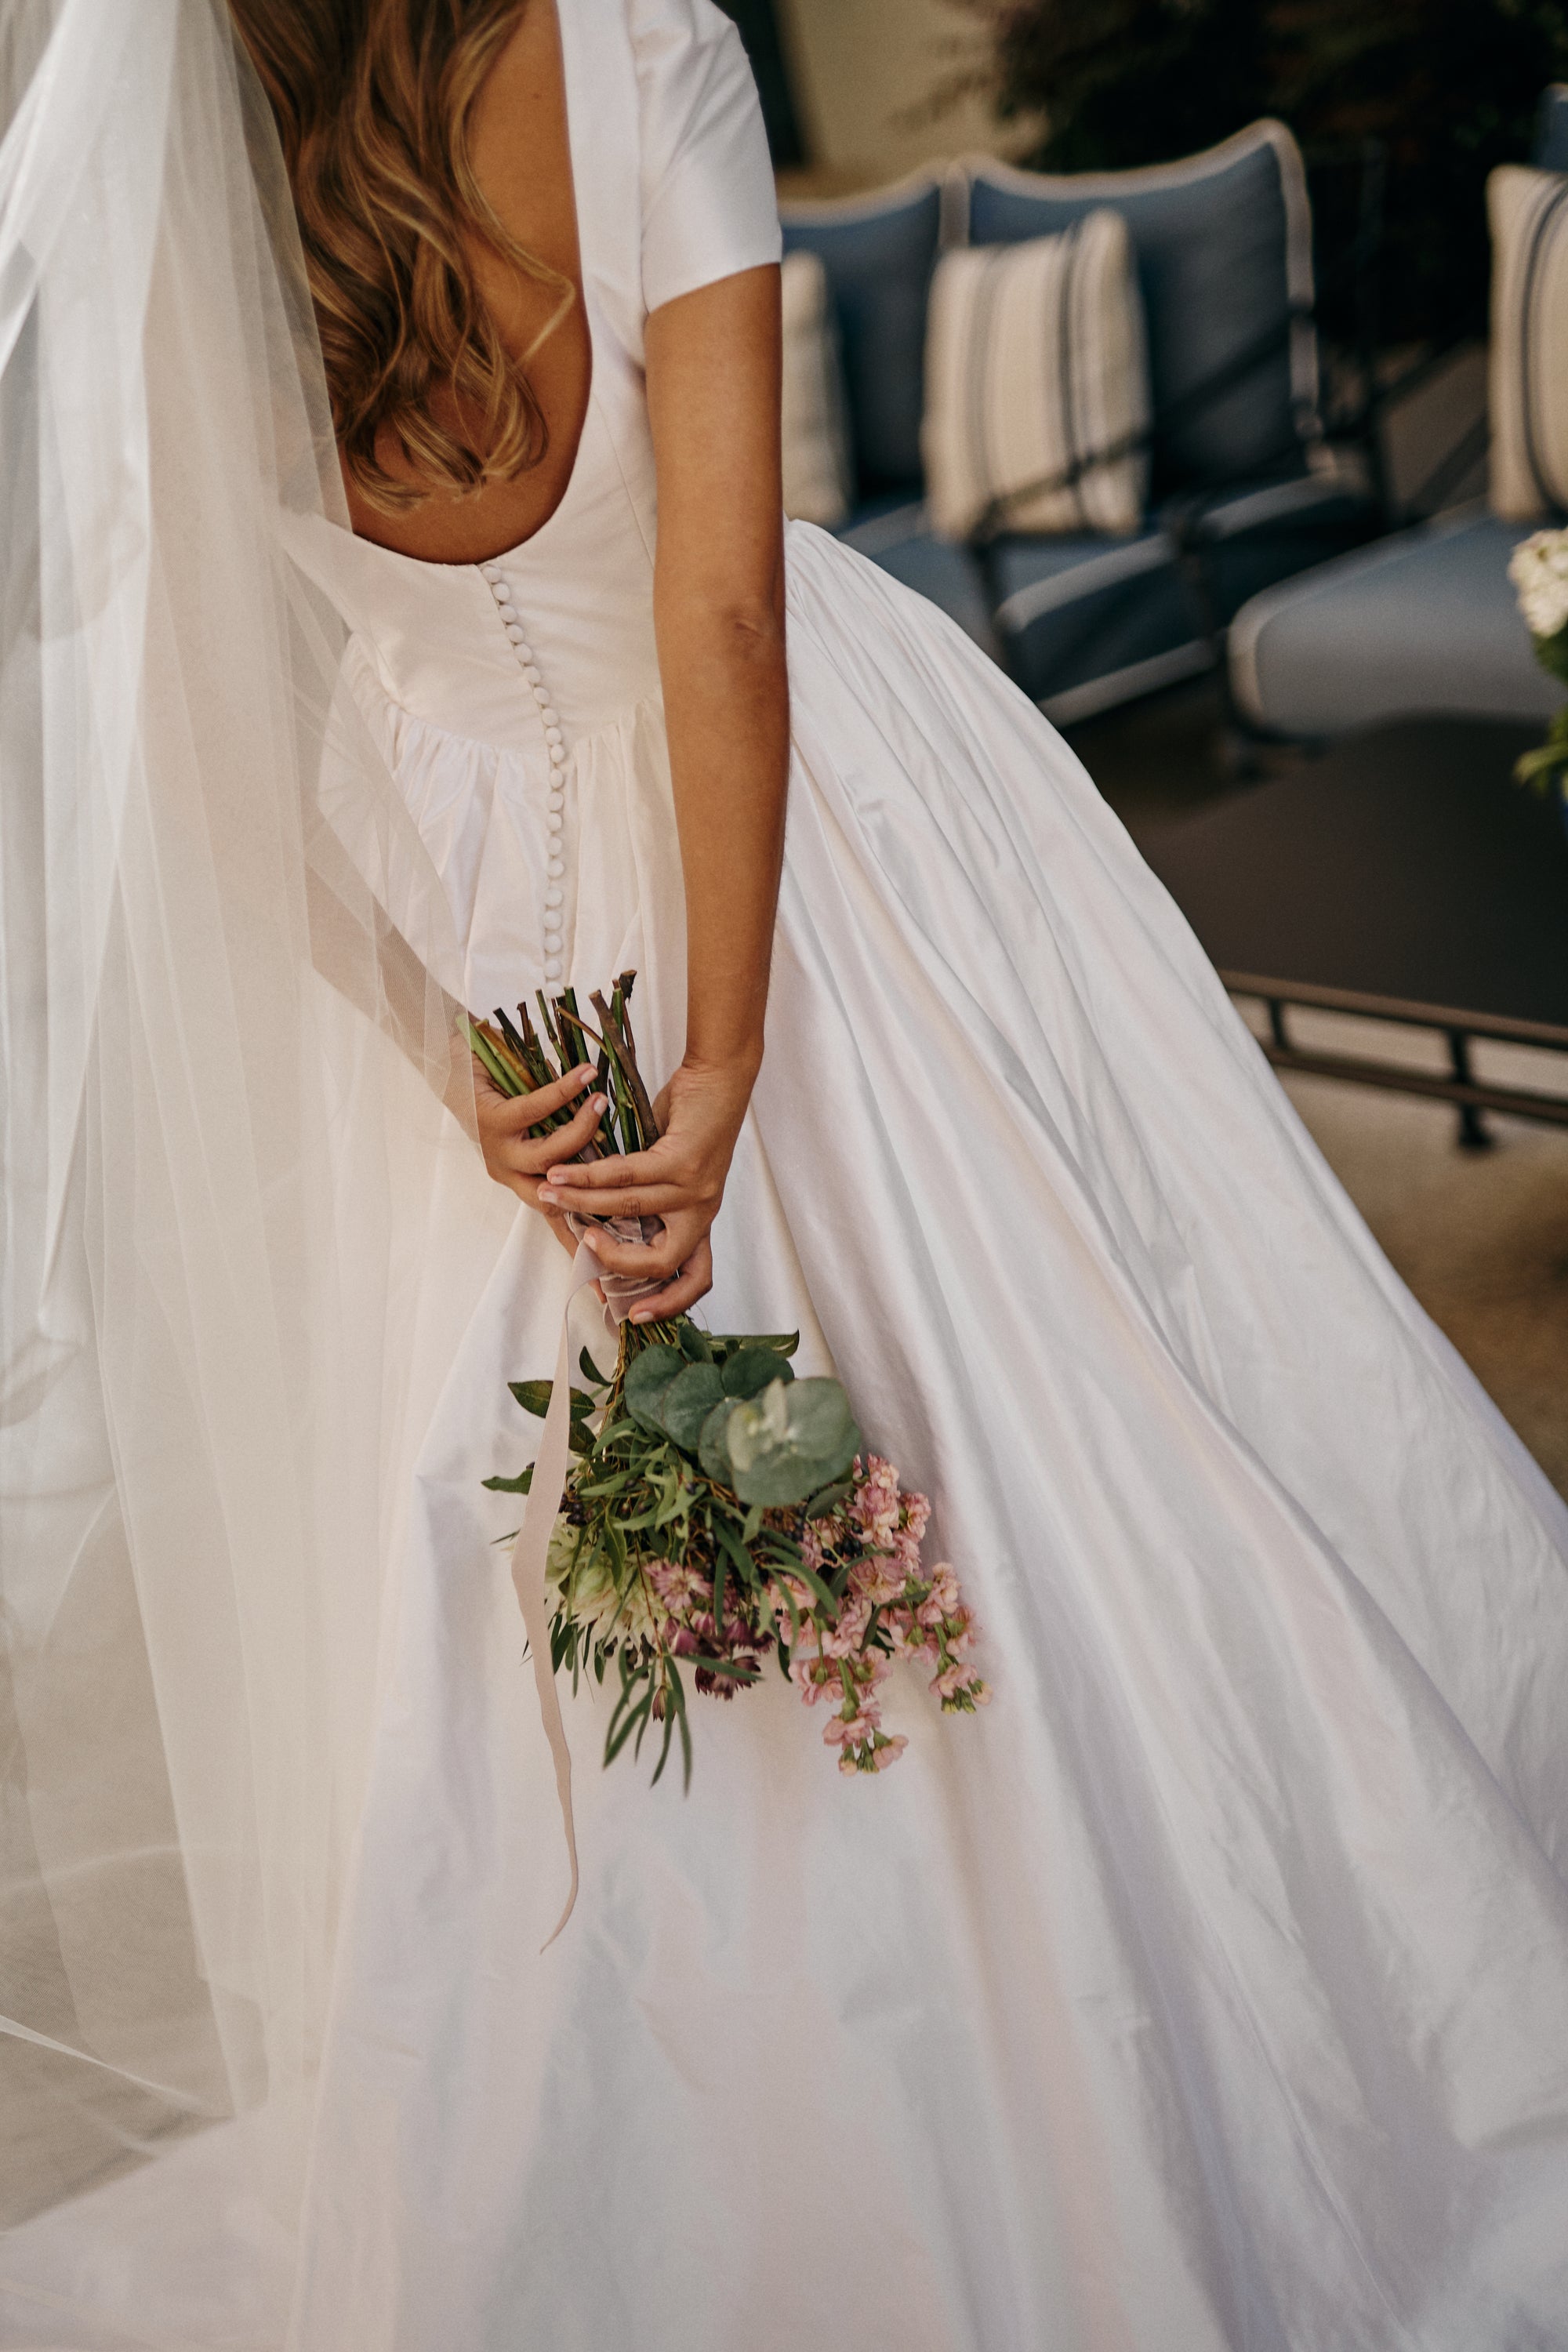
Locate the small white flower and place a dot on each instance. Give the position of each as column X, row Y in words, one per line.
column 758, row 1427
column 584, row 1585
column 1539, row 571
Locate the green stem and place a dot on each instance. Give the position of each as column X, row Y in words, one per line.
column 484, row 1051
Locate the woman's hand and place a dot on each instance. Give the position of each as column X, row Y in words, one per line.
column 680, row 1179
column 519, row 1159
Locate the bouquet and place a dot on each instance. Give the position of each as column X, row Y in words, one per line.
column 721, row 1512
column 1539, row 570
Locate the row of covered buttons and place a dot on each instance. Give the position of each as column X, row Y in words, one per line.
column 554, row 895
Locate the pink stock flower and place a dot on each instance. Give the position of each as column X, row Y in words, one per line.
column 878, row 1580
column 892, row 1608
column 812, row 1678
column 910, row 1641
column 858, row 1729
column 804, row 1602
column 846, row 1636
column 874, row 1507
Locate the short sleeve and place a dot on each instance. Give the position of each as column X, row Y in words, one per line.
column 708, row 202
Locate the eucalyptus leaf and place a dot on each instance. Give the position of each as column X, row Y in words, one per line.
column 648, row 1375
column 808, row 1418
column 694, row 1343
column 818, row 1415
column 712, row 1451
column 750, row 1370
column 782, row 1478
column 517, row 1486
column 686, row 1403
column 791, row 1441
column 780, row 1343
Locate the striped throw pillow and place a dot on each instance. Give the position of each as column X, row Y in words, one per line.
column 1037, row 386
column 815, row 433
column 1527, row 367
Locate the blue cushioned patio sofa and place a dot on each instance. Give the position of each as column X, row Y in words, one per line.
column 1243, row 492
column 1425, row 623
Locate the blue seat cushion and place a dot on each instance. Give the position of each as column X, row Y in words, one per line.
column 878, row 253
column 1223, row 243
column 1090, row 623
column 1549, row 151
column 1086, row 623
column 894, row 534
column 1423, row 622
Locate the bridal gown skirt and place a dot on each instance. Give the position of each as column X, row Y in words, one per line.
column 1209, row 1990
column 1206, row 1993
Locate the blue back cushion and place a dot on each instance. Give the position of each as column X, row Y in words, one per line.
column 1550, row 153
column 1224, row 245
column 878, row 253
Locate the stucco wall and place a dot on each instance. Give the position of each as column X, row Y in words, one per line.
column 857, row 65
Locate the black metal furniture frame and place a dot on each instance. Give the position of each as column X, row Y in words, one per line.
column 1472, row 1096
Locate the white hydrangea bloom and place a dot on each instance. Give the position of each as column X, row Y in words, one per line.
column 584, row 1587
column 1539, row 571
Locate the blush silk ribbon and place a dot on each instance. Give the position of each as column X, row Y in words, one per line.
column 530, row 1552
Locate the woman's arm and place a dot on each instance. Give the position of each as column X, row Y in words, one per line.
column 713, row 400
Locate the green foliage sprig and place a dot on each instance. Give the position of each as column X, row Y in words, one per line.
column 659, row 1513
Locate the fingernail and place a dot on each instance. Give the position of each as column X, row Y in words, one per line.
column 598, row 1105
column 548, row 1198
column 584, row 1074
column 642, row 1314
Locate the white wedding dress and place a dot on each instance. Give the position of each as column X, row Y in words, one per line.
column 1209, row 1993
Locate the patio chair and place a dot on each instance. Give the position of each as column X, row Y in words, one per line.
column 1425, row 623
column 1550, row 151
column 878, row 252
column 1243, row 494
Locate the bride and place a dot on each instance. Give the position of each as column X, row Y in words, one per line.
column 397, row 615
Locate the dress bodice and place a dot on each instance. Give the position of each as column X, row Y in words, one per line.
column 490, row 686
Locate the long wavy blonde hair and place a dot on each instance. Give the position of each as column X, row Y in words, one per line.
column 374, row 100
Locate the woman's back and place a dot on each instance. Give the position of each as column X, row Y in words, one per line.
column 486, row 679
column 520, row 145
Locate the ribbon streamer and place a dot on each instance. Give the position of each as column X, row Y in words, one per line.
column 530, row 1552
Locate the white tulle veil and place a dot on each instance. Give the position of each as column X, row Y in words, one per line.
column 232, row 1189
